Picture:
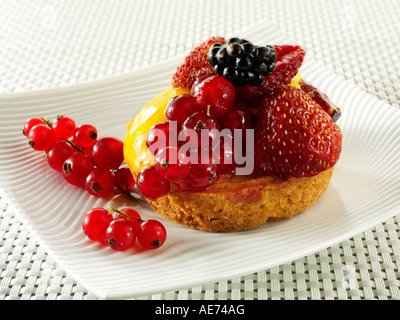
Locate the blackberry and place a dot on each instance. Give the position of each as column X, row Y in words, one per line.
column 241, row 62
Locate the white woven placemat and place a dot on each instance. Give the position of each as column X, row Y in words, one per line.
column 46, row 44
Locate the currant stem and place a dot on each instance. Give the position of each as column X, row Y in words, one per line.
column 126, row 192
column 48, row 122
column 74, row 145
column 123, row 214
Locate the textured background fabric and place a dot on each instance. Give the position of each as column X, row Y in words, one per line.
column 47, row 44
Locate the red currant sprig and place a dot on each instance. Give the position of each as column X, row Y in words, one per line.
column 95, row 164
column 120, row 232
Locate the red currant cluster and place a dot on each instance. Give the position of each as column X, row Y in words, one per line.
column 184, row 147
column 84, row 159
column 121, row 231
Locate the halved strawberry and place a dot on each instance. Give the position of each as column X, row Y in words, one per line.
column 195, row 65
column 289, row 59
column 322, row 99
column 294, row 137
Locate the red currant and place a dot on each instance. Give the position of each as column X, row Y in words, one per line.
column 224, row 151
column 151, row 185
column 41, row 137
column 30, row 123
column 214, row 91
column 203, row 125
column 95, row 223
column 135, row 219
column 252, row 95
column 238, row 117
column 100, row 182
column 196, row 85
column 162, row 135
column 63, row 127
column 85, row 135
column 171, row 164
column 107, row 152
column 203, row 173
column 124, row 178
column 58, row 153
column 120, row 234
column 76, row 168
column 151, row 234
column 179, row 108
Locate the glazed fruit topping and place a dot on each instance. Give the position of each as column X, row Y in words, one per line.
column 84, row 160
column 238, row 117
column 204, row 126
column 171, row 163
column 214, row 94
column 294, row 136
column 289, row 58
column 195, row 65
column 241, row 62
column 251, row 91
column 199, row 154
column 121, row 229
column 203, row 172
column 192, row 123
column 322, row 99
column 180, row 108
column 151, row 185
column 225, row 152
column 161, row 135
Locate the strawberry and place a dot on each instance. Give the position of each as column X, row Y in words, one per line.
column 294, row 136
column 322, row 99
column 289, row 58
column 195, row 65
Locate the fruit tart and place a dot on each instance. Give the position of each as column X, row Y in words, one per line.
column 237, row 140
